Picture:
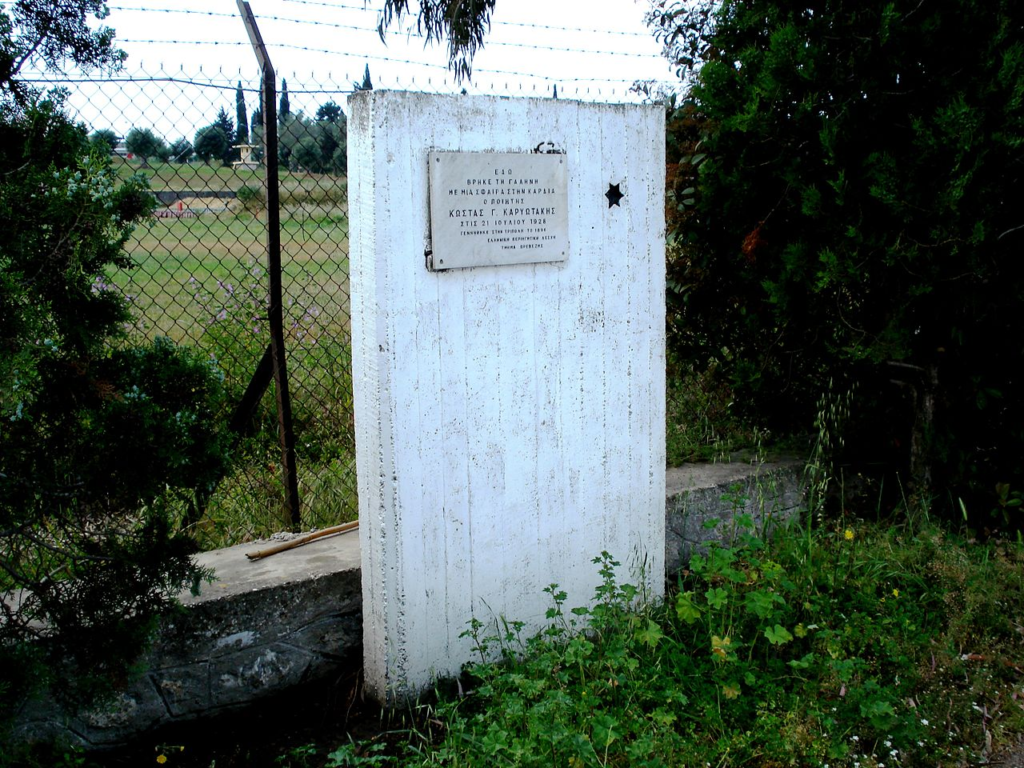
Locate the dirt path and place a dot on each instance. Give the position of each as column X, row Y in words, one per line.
column 1014, row 758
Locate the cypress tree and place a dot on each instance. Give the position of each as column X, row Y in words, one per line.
column 285, row 109
column 223, row 122
column 241, row 117
column 366, row 84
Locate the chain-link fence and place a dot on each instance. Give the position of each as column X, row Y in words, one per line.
column 201, row 260
column 200, row 263
column 200, row 275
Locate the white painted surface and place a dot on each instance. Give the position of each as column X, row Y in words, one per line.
column 510, row 419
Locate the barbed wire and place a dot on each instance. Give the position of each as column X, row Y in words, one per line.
column 428, row 71
column 373, row 31
column 527, row 24
column 388, row 59
column 261, row 17
column 39, row 78
column 53, row 78
column 364, row 8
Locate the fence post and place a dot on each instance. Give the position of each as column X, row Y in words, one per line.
column 275, row 310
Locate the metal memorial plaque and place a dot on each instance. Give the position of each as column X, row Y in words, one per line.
column 497, row 208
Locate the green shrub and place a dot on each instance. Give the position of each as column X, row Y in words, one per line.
column 103, row 447
column 252, row 198
column 835, row 214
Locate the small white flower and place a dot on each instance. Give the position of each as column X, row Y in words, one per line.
column 924, row 721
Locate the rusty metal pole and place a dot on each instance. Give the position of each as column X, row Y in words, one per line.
column 275, row 314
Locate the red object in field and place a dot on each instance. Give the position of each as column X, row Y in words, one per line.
column 179, row 205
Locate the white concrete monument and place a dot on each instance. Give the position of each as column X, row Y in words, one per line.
column 508, row 334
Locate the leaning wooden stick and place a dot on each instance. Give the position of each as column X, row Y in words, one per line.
column 343, row 528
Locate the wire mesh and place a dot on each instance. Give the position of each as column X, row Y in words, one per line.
column 200, row 262
column 200, row 275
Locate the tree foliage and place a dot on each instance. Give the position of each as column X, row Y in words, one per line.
column 52, row 32
column 842, row 211
column 227, row 127
column 143, row 143
column 104, row 445
column 180, row 151
column 317, row 146
column 463, row 24
column 366, row 84
column 329, row 112
column 103, row 140
column 241, row 117
column 210, row 142
column 285, row 108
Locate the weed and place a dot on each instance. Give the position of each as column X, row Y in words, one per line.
column 301, row 756
column 701, row 424
column 894, row 646
column 353, row 754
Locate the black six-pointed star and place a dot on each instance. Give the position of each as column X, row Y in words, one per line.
column 614, row 195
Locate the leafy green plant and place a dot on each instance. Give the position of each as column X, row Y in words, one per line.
column 852, row 653
column 103, row 444
column 1008, row 504
column 845, row 223
column 300, row 756
column 356, row 755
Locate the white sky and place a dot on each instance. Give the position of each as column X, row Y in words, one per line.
column 343, row 35
column 592, row 50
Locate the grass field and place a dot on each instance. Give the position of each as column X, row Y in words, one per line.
column 179, row 257
column 196, row 176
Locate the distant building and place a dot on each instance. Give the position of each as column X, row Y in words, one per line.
column 245, row 153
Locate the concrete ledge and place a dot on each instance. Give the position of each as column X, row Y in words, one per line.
column 267, row 626
column 702, row 501
column 260, row 628
column 171, row 196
